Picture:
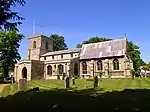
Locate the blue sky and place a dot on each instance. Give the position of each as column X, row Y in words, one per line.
column 78, row 20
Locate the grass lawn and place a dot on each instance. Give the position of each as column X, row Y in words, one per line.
column 111, row 95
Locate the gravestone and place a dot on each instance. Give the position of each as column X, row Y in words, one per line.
column 95, row 81
column 73, row 80
column 22, row 85
column 58, row 76
column 63, row 76
column 67, row 82
column 12, row 79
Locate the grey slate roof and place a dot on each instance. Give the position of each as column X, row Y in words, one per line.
column 104, row 49
column 62, row 52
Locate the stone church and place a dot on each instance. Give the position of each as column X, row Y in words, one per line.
column 111, row 58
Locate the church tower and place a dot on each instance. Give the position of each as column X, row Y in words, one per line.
column 38, row 45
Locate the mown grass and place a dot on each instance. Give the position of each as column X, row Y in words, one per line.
column 105, row 84
column 112, row 95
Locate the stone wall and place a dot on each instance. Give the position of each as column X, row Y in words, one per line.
column 68, row 66
column 107, row 71
column 34, row 53
column 55, row 69
column 37, row 70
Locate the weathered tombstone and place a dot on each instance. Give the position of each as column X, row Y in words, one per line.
column 95, row 81
column 67, row 82
column 58, row 76
column 22, row 85
column 63, row 76
column 12, row 79
column 73, row 80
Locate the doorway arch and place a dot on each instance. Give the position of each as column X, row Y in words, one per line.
column 24, row 72
column 75, row 69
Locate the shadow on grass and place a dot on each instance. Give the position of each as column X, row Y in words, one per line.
column 81, row 100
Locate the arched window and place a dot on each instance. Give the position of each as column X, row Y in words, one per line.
column 116, row 64
column 84, row 67
column 75, row 69
column 46, row 45
column 99, row 65
column 34, row 44
column 49, row 70
column 60, row 69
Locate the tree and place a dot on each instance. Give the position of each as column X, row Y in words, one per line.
column 134, row 53
column 9, row 19
column 93, row 40
column 58, row 42
column 9, row 51
column 133, row 49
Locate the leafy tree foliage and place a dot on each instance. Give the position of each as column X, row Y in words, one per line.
column 145, row 67
column 59, row 42
column 134, row 53
column 9, row 50
column 133, row 49
column 7, row 15
column 93, row 40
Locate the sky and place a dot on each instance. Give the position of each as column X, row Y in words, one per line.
column 78, row 20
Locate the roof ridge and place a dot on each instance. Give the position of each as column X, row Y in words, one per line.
column 106, row 41
column 69, row 50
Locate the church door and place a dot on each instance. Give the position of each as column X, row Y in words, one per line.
column 24, row 73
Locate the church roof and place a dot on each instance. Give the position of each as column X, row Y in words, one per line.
column 104, row 49
column 62, row 52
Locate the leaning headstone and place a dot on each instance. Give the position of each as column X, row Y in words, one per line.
column 63, row 76
column 95, row 81
column 58, row 76
column 73, row 80
column 67, row 82
column 22, row 85
column 12, row 79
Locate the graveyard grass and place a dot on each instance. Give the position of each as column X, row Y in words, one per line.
column 111, row 95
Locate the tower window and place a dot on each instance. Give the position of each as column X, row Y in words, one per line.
column 45, row 58
column 34, row 44
column 46, row 45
